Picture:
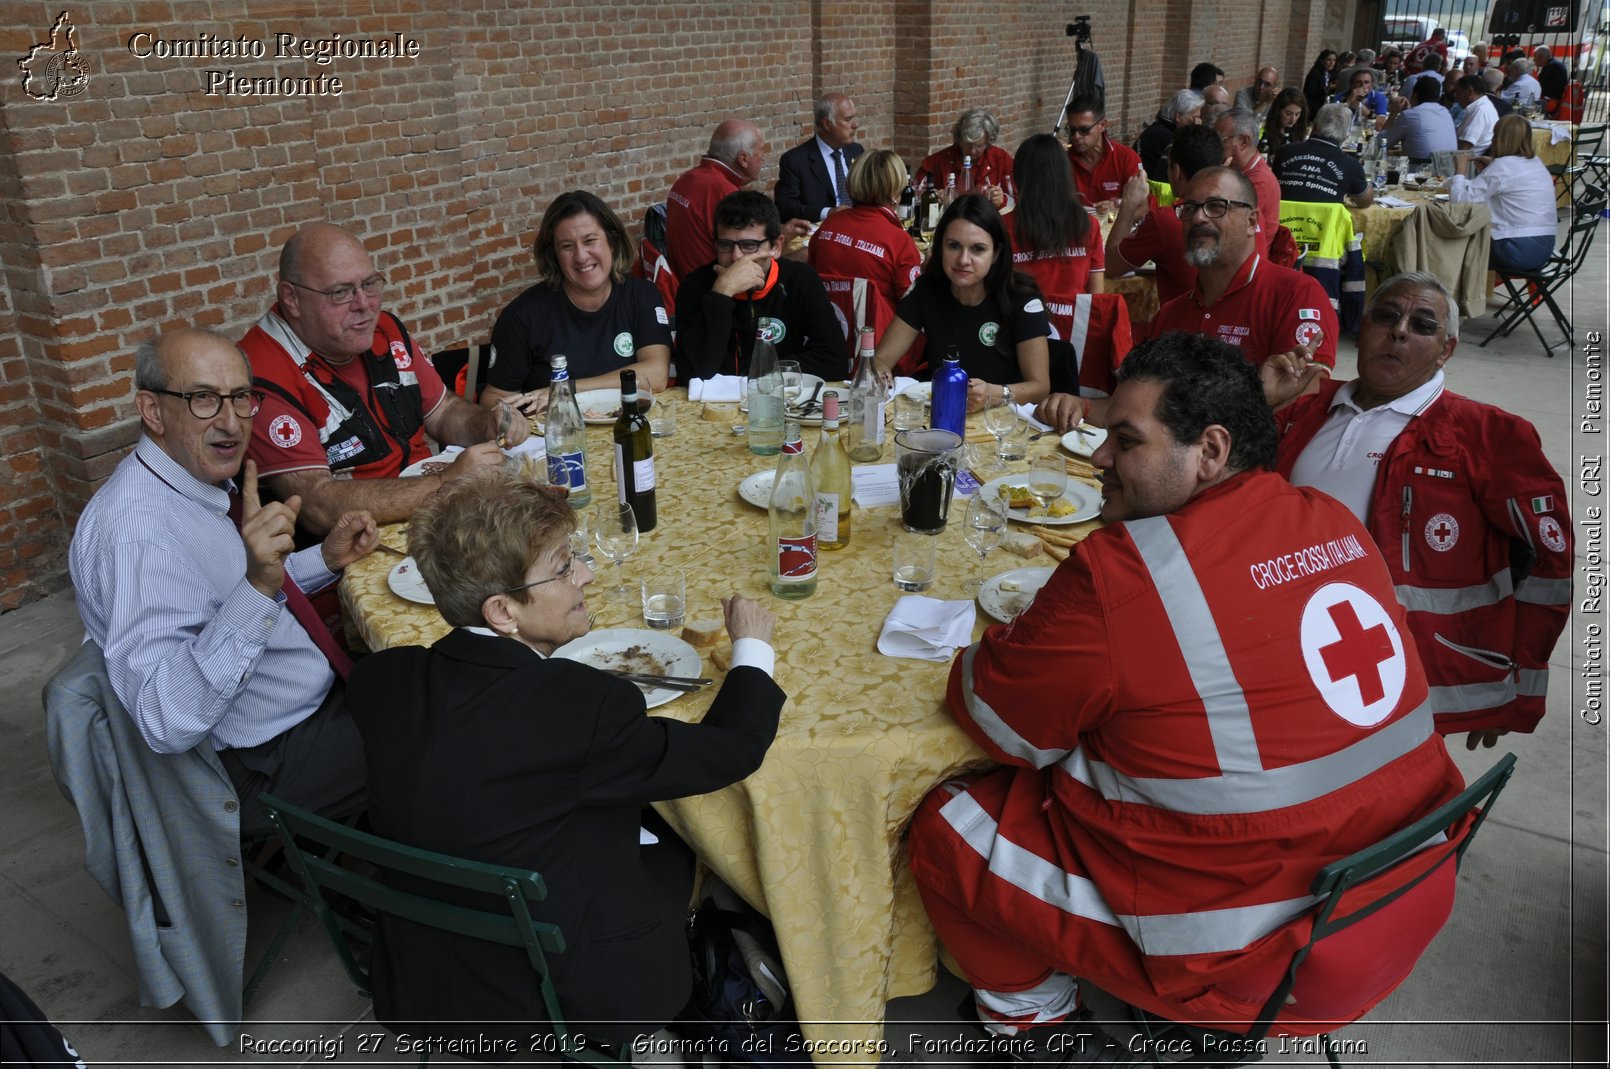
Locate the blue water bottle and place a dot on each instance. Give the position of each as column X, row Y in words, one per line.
column 950, row 395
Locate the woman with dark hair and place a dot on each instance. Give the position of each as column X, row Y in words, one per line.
column 1317, row 86
column 486, row 746
column 585, row 307
column 1054, row 238
column 1286, row 123
column 969, row 298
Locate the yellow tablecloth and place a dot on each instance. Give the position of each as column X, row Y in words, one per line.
column 814, row 838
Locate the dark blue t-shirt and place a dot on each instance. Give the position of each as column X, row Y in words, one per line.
column 542, row 322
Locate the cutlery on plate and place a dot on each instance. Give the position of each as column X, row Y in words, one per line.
column 661, row 682
column 697, row 681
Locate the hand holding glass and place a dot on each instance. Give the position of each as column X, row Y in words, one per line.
column 615, row 534
column 986, row 524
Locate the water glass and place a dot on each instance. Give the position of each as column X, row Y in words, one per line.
column 792, row 382
column 615, row 535
column 910, row 412
column 664, row 599
column 662, row 417
column 984, row 529
column 1014, row 444
column 916, row 559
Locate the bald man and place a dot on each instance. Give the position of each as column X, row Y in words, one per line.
column 1257, row 97
column 348, row 396
column 736, row 156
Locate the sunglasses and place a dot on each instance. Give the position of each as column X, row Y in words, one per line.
column 1427, row 326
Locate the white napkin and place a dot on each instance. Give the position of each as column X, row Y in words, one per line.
column 716, row 388
column 900, row 383
column 926, row 629
column 1027, row 412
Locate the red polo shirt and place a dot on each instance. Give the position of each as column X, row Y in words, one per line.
column 1160, row 239
column 1105, row 181
column 1266, row 309
column 994, row 166
column 1268, row 188
column 690, row 214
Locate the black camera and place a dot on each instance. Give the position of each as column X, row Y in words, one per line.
column 1080, row 28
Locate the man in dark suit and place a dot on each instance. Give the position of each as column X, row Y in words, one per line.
column 813, row 178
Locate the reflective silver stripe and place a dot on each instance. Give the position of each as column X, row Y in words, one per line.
column 999, row 732
column 287, row 339
column 1533, row 682
column 1518, row 518
column 1472, row 697
column 1455, row 599
column 1267, row 790
column 1022, row 868
column 1535, row 591
column 1210, row 931
column 1229, row 720
column 1079, row 333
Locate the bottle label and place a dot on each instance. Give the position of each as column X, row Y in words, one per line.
column 827, row 517
column 566, row 469
column 643, row 474
column 796, row 559
column 872, row 429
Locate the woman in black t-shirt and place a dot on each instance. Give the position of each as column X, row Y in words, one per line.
column 969, row 298
column 585, row 307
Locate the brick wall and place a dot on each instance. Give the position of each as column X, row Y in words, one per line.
column 142, row 202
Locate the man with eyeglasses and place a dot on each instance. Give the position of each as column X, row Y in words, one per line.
column 1471, row 517
column 349, row 397
column 190, row 587
column 1101, row 166
column 748, row 292
column 1257, row 97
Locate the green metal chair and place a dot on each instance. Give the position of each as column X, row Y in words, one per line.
column 1330, row 886
column 322, row 871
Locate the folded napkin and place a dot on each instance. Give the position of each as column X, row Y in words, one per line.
column 926, row 629
column 716, row 388
column 1027, row 412
column 900, row 383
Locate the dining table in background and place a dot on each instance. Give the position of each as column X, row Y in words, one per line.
column 815, row 838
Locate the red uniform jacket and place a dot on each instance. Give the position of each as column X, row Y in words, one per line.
column 690, row 214
column 1464, row 499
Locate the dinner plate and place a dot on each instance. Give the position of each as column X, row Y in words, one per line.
column 923, row 391
column 807, row 383
column 599, row 407
column 1005, row 605
column 636, row 649
column 757, row 489
column 429, row 466
column 1086, row 499
column 1085, row 444
column 406, row 582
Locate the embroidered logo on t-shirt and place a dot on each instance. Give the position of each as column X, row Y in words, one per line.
column 284, row 432
column 988, row 333
column 1548, row 529
column 660, row 316
column 623, row 344
column 1309, row 335
column 772, row 330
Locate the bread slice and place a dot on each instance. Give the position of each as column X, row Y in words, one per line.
column 702, row 634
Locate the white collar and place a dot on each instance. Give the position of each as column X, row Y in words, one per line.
column 1410, row 404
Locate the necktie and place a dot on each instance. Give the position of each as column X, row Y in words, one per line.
column 303, row 610
column 839, row 182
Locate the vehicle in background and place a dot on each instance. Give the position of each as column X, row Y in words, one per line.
column 1407, row 32
column 1570, row 30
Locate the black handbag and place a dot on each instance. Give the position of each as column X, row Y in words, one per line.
column 741, row 1011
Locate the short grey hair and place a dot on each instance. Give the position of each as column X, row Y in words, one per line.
column 727, row 149
column 1522, row 66
column 149, row 374
column 1366, row 56
column 1333, row 122
column 1493, row 78
column 974, row 124
column 827, row 107
column 1186, row 100
column 1419, row 280
column 1542, row 54
column 1243, row 122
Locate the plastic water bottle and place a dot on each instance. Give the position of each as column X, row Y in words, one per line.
column 950, row 395
column 765, row 400
column 566, row 437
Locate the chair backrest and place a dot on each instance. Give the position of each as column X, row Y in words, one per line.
column 1098, row 328
column 1395, row 872
column 856, row 304
column 464, row 370
column 1584, row 226
column 1162, row 192
column 1324, row 230
column 1589, row 139
column 518, row 889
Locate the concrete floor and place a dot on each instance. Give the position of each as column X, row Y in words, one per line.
column 1517, row 978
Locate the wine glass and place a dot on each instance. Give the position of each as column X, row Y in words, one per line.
column 581, row 539
column 999, row 419
column 1048, row 477
column 986, row 523
column 615, row 535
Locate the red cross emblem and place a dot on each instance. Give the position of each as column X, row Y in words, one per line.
column 1442, row 531
column 284, row 432
column 1359, row 652
column 1354, row 653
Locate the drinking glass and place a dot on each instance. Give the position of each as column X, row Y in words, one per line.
column 615, row 535
column 792, row 383
column 581, row 539
column 916, row 559
column 999, row 419
column 910, row 413
column 662, row 417
column 986, row 524
column 664, row 599
column 1048, row 477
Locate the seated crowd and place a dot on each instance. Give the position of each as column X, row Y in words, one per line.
column 1229, row 443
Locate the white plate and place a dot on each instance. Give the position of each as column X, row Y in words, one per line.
column 923, row 391
column 1086, row 444
column 431, row 464
column 599, row 407
column 1087, row 500
column 807, row 383
column 757, row 489
column 1006, row 605
column 533, row 447
column 604, row 649
column 406, row 582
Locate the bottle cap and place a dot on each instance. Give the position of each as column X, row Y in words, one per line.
column 558, row 360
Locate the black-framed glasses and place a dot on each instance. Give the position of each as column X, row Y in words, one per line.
column 567, row 572
column 747, row 246
column 1085, row 131
column 344, row 293
column 1427, row 326
column 205, row 404
column 1213, row 207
